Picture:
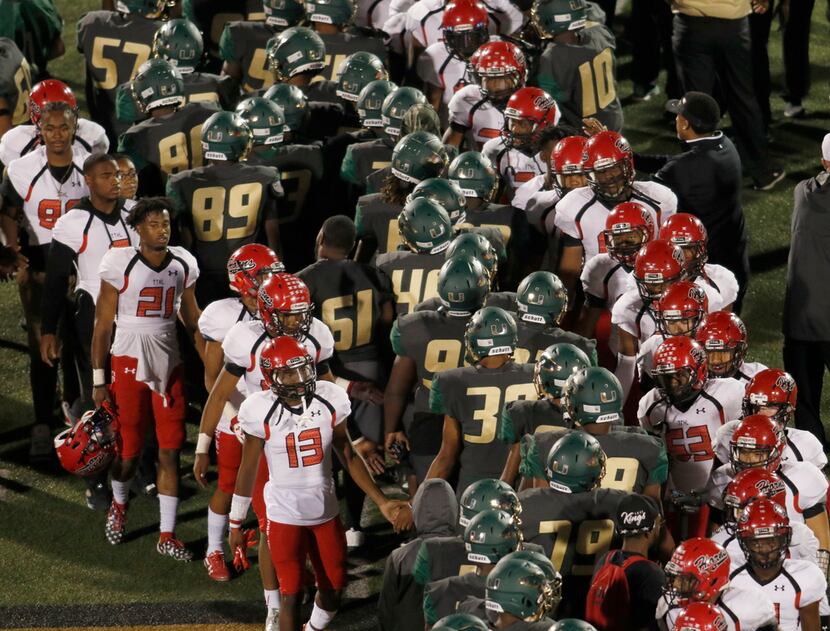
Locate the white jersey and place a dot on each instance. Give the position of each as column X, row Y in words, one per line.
column 300, row 488
column 798, row 584
column 148, row 304
column 604, row 280
column 90, row 235
column 645, row 353
column 20, row 140
column 747, row 370
column 243, row 346
column 372, row 14
column 472, row 111
column 216, row 321
column 538, row 203
column 689, row 434
column 514, row 167
column 803, row 545
column 805, row 488
column 745, row 608
column 423, row 20
column 581, row 215
column 437, row 66
column 802, row 446
column 723, row 281
column 44, row 198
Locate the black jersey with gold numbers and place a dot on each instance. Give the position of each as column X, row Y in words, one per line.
column 243, row 43
column 414, row 276
column 15, row 81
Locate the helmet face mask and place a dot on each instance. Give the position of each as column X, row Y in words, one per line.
column 463, row 41
column 292, row 385
column 474, row 174
column 499, row 68
column 565, row 164
column 612, row 182
column 552, row 370
column 498, row 87
column 677, row 385
column 697, row 572
column 623, row 244
column 764, row 534
column 288, row 371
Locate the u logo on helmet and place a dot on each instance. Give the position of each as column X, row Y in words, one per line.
column 214, row 135
column 608, row 397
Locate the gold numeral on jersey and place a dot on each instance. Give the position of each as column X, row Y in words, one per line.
column 393, row 236
column 598, row 88
column 441, row 355
column 489, row 414
column 23, row 82
column 209, row 206
column 296, row 185
column 349, row 332
column 419, row 288
column 101, row 61
column 522, row 355
column 175, row 155
column 330, row 71
column 203, row 97
column 377, row 165
column 258, row 69
column 593, row 538
column 620, row 473
column 561, row 531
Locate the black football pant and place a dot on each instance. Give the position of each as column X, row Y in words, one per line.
column 806, row 362
column 796, row 45
column 759, row 27
column 650, row 29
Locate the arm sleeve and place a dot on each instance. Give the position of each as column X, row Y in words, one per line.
column 506, row 430
column 397, row 342
column 625, row 372
column 226, row 47
column 347, row 168
column 58, row 270
column 660, row 473
column 530, row 465
column 436, row 398
column 125, row 107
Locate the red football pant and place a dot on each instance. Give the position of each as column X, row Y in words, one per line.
column 324, row 544
column 137, row 406
column 228, row 458
column 258, row 498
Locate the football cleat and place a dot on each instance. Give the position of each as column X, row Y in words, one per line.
column 216, row 567
column 116, row 524
column 272, row 622
column 173, row 548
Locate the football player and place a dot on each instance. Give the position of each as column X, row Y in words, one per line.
column 242, row 45
column 425, row 343
column 169, row 141
column 24, row 138
column 37, row 190
column 225, row 204
column 477, row 110
column 210, row 19
column 299, row 421
column 724, row 337
column 417, row 156
column 115, row 44
column 521, row 591
column 471, row 398
column 15, row 84
column 577, row 65
column 699, row 572
column 685, row 410
column 247, row 267
column 146, row 289
column 795, row 587
column 128, row 176
column 297, row 56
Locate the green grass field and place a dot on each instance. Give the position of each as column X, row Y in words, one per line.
column 54, row 556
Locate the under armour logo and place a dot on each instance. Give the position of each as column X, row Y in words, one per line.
column 778, row 587
column 700, row 410
column 172, row 272
column 316, row 412
column 127, row 371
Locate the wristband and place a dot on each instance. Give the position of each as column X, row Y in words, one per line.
column 99, row 377
column 203, row 443
column 239, row 510
column 344, row 383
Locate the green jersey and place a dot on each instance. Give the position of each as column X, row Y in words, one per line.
column 529, row 417
column 341, row 45
column 441, row 598
column 504, row 299
column 475, row 396
column 225, row 205
column 535, row 338
column 243, row 43
column 377, row 221
column 414, row 277
column 163, row 146
column 441, row 557
column 582, row 77
column 364, row 158
column 15, row 81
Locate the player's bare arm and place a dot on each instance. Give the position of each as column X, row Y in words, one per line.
column 570, row 266
column 447, row 456
column 400, row 383
column 220, row 392
column 105, row 310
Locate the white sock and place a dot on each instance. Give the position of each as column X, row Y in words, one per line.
column 216, row 531
column 167, row 513
column 121, row 491
column 272, row 598
column 320, row 618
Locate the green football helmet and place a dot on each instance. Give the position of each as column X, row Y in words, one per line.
column 425, row 226
column 543, row 563
column 475, row 175
column 445, row 193
column 575, row 463
column 516, row 587
column 551, row 17
column 541, row 299
column 477, row 246
column 179, row 42
column 147, row 8
column 336, row 12
column 264, row 118
column 418, row 156
column 463, row 284
column 283, row 12
column 157, row 84
column 485, row 494
column 297, row 49
column 572, row 624
column 395, row 105
column 490, row 331
column 225, row 136
column 557, row 363
column 356, row 72
column 460, row 622
column 421, row 117
column 593, row 395
column 490, row 535
column 293, row 103
column 370, row 102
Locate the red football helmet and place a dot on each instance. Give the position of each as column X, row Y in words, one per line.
column 747, row 485
column 88, row 447
column 764, row 533
column 723, row 335
column 609, row 162
column 566, row 163
column 658, row 265
column 697, row 572
column 49, row 91
column 499, row 69
column 528, row 113
column 689, row 233
column 681, row 309
column 464, row 24
column 248, row 263
column 756, row 443
column 285, row 306
column 628, row 227
column 700, row 617
column 679, row 369
column 288, row 369
column 773, row 393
